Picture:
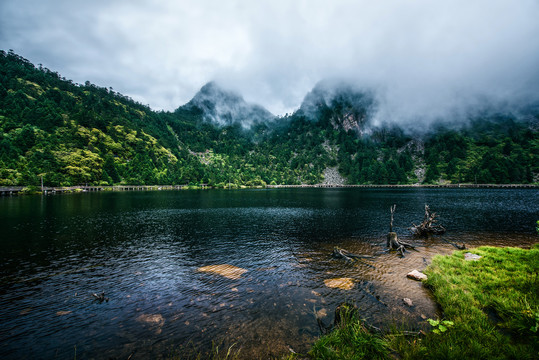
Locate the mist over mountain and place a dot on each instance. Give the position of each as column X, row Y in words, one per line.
column 344, row 105
column 73, row 134
column 223, row 107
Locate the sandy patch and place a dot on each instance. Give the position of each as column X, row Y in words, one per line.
column 228, row 271
column 340, row 283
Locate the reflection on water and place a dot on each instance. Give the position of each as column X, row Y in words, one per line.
column 145, row 251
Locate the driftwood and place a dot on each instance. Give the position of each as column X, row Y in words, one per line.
column 428, row 226
column 340, row 253
column 460, row 247
column 100, row 297
column 393, row 243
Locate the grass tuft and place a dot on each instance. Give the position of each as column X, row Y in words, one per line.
column 350, row 340
column 190, row 352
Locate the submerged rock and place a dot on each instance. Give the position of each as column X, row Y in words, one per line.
column 416, row 275
column 340, row 283
column 25, row 311
column 228, row 271
column 154, row 321
column 471, row 257
column 321, row 313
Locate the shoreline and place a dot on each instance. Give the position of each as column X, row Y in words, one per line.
column 15, row 190
column 468, row 293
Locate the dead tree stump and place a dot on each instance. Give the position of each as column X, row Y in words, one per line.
column 393, row 243
column 428, row 226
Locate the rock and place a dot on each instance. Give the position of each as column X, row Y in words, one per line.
column 408, row 302
column 321, row 313
column 340, row 283
column 152, row 319
column 471, row 257
column 228, row 271
column 416, row 275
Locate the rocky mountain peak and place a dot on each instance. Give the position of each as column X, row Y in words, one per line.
column 343, row 104
column 225, row 107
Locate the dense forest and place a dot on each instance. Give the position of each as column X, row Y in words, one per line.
column 74, row 134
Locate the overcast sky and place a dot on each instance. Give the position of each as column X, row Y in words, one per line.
column 426, row 57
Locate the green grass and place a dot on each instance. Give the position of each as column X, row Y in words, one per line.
column 490, row 311
column 350, row 340
column 493, row 304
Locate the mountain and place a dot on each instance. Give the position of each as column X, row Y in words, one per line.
column 223, row 107
column 343, row 105
column 72, row 134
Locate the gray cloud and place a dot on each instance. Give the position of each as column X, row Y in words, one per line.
column 427, row 58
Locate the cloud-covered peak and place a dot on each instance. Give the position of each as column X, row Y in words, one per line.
column 428, row 60
column 225, row 107
column 341, row 103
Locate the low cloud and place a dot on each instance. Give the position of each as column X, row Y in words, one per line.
column 428, row 60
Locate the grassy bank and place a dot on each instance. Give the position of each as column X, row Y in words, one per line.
column 490, row 311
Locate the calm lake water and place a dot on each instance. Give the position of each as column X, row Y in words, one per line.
column 144, row 249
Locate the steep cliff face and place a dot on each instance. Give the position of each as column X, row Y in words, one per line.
column 342, row 105
column 223, row 107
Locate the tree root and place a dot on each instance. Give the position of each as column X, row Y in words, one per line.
column 399, row 246
column 340, row 253
column 460, row 247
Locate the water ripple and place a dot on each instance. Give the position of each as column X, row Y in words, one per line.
column 144, row 251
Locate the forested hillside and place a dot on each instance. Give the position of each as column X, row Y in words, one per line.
column 73, row 134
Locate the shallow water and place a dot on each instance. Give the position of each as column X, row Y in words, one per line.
column 144, row 249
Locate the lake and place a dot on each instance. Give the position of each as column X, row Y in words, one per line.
column 145, row 251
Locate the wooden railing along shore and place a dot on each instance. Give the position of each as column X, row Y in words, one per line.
column 13, row 190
